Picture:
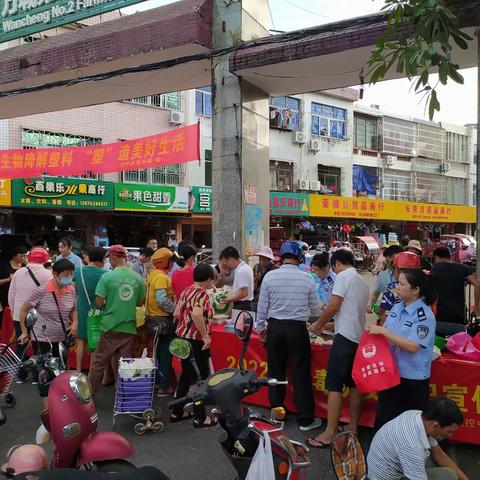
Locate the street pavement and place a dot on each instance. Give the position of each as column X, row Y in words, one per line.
column 180, row 451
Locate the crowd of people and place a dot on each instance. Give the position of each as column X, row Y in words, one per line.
column 289, row 305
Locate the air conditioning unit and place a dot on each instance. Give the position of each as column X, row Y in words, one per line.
column 299, row 137
column 445, row 167
column 176, row 118
column 315, row 186
column 303, row 185
column 314, row 145
column 389, row 159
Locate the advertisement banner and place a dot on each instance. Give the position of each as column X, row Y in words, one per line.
column 151, row 198
column 289, row 204
column 201, row 200
column 21, row 18
column 5, row 192
column 62, row 193
column 451, row 376
column 375, row 209
column 177, row 146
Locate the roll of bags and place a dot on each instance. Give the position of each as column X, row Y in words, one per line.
column 463, row 345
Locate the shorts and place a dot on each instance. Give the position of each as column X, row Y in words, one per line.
column 340, row 364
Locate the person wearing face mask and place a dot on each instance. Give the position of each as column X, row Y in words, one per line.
column 410, row 329
column 320, row 266
column 56, row 305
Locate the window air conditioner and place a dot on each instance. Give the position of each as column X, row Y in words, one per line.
column 176, row 118
column 299, row 137
column 445, row 167
column 303, row 185
column 314, row 145
column 389, row 159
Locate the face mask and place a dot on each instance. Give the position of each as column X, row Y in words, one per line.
column 65, row 281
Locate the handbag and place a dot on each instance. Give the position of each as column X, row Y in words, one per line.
column 262, row 467
column 164, row 326
column 94, row 320
column 69, row 339
column 374, row 368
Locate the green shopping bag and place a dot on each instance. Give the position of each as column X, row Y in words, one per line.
column 94, row 319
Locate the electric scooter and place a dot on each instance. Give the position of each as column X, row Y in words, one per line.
column 71, row 419
column 243, row 429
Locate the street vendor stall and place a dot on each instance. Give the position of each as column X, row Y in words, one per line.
column 452, row 376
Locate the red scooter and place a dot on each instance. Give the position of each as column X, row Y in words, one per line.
column 71, row 420
column 242, row 429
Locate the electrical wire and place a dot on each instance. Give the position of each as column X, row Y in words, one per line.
column 271, row 16
column 306, row 10
column 271, row 40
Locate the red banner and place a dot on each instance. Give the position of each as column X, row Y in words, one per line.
column 451, row 376
column 177, row 146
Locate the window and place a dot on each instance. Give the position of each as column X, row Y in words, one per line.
column 457, row 147
column 366, row 132
column 281, row 176
column 203, row 101
column 399, row 137
column 430, row 188
column 328, row 121
column 330, row 178
column 285, row 113
column 431, row 141
column 208, row 167
column 42, row 139
column 136, row 176
column 169, row 175
column 172, row 100
column 396, row 185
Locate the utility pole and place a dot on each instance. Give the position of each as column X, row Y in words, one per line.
column 477, row 187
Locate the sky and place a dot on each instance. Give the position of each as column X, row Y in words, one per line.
column 458, row 102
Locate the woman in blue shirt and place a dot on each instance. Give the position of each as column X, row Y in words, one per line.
column 410, row 328
column 320, row 266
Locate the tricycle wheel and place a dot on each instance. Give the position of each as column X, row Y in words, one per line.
column 149, row 414
column 139, row 428
column 158, row 427
column 113, row 466
column 9, row 400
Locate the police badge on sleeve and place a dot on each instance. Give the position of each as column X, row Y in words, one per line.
column 422, row 332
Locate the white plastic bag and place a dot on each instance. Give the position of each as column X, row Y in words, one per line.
column 262, row 467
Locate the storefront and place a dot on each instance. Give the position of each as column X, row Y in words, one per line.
column 141, row 211
column 48, row 208
column 198, row 227
column 356, row 216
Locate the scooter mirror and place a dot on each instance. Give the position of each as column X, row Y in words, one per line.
column 243, row 325
column 347, row 456
column 180, row 348
column 31, row 318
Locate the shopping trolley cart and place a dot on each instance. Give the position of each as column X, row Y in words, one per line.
column 9, row 367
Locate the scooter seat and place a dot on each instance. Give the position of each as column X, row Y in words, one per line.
column 145, row 473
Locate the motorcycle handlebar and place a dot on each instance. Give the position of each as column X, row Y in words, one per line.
column 31, row 362
column 178, row 402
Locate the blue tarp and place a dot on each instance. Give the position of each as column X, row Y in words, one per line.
column 364, row 181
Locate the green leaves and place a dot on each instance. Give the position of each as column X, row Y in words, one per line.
column 434, row 31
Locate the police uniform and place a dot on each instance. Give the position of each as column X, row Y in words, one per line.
column 415, row 322
column 326, row 286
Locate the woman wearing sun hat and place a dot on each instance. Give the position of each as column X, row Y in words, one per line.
column 266, row 264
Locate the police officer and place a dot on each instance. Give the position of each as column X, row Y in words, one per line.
column 401, row 260
column 410, row 329
column 321, row 268
column 288, row 297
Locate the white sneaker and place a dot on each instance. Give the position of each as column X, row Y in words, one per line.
column 317, row 423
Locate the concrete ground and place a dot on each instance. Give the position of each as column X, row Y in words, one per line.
column 182, row 452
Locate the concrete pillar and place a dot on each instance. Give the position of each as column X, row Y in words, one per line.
column 240, row 136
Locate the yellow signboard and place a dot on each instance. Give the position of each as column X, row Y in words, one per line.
column 5, row 192
column 375, row 209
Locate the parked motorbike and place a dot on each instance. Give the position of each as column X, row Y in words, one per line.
column 242, row 428
column 71, row 420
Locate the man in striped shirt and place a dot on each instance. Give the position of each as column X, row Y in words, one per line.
column 288, row 298
column 401, row 448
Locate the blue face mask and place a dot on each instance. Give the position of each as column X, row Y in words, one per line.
column 65, row 281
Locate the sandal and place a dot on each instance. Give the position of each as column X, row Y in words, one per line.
column 207, row 423
column 185, row 416
column 317, row 444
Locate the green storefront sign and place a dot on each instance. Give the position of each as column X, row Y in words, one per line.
column 201, row 200
column 289, row 204
column 21, row 18
column 151, row 198
column 61, row 192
